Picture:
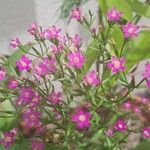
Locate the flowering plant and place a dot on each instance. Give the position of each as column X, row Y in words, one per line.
column 59, row 96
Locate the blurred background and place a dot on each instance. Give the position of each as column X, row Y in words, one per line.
column 16, row 15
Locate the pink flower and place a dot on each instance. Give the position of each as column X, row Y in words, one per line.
column 82, row 119
column 44, row 66
column 136, row 109
column 127, row 105
column 24, row 63
column 8, row 139
column 76, row 40
column 91, row 79
column 12, row 83
column 55, row 98
column 53, row 33
column 33, row 29
column 42, row 35
column 130, row 30
column 14, row 43
column 120, row 125
column 109, row 132
column 76, row 14
column 37, row 145
column 146, row 73
column 144, row 100
column 57, row 115
column 146, row 132
column 57, row 49
column 2, row 74
column 114, row 15
column 116, row 64
column 25, row 96
column 93, row 30
column 76, row 59
column 31, row 118
column 35, row 100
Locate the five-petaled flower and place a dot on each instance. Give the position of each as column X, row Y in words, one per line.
column 24, row 63
column 76, row 59
column 120, row 125
column 116, row 64
column 91, row 79
column 82, row 119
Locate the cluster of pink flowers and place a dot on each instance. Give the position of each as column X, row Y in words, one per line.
column 129, row 106
column 44, row 66
column 61, row 59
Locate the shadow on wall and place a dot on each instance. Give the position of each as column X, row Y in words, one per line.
column 15, row 15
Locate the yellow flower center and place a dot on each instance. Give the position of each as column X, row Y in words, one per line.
column 116, row 64
column 76, row 59
column 8, row 139
column 82, row 118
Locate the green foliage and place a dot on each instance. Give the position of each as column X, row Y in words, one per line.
column 145, row 145
column 140, row 49
column 140, row 8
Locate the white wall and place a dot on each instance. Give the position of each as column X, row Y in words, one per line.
column 16, row 15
